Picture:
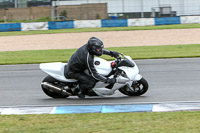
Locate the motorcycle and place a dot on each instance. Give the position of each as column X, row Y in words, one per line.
column 128, row 80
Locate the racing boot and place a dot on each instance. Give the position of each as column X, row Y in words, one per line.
column 77, row 91
column 81, row 95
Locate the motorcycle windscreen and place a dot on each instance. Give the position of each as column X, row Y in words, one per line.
column 102, row 66
column 126, row 62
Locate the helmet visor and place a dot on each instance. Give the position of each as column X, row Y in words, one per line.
column 99, row 49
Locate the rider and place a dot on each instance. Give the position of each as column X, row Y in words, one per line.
column 83, row 59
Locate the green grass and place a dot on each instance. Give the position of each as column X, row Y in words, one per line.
column 43, row 19
column 178, row 26
column 141, row 122
column 139, row 52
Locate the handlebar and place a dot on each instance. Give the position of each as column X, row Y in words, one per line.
column 118, row 59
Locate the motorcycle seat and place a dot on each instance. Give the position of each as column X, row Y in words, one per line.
column 66, row 75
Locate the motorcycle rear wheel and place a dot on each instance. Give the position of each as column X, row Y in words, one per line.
column 137, row 88
column 49, row 92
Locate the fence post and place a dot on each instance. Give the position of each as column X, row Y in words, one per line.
column 16, row 3
column 52, row 11
column 142, row 9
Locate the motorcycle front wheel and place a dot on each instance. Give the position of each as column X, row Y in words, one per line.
column 137, row 88
column 48, row 91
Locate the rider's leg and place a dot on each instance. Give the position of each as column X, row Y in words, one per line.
column 85, row 82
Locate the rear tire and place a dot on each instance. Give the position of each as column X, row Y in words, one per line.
column 48, row 91
column 137, row 88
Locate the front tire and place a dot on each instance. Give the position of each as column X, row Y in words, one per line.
column 137, row 88
column 48, row 91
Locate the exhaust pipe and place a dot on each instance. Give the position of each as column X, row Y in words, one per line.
column 56, row 89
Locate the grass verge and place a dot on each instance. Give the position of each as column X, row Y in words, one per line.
column 138, row 52
column 143, row 122
column 161, row 27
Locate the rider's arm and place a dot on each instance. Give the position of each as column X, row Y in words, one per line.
column 111, row 53
column 106, row 52
column 92, row 70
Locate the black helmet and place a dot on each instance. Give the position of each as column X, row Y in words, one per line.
column 95, row 46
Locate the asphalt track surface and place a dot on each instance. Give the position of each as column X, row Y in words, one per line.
column 170, row 80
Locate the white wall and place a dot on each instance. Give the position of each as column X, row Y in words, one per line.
column 182, row 7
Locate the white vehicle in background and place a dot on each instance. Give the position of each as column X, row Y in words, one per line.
column 124, row 69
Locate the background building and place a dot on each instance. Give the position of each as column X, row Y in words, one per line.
column 180, row 7
column 88, row 9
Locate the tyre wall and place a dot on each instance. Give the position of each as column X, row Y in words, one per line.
column 98, row 23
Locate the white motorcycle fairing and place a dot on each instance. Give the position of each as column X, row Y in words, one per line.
column 102, row 66
column 132, row 73
column 100, row 89
column 56, row 70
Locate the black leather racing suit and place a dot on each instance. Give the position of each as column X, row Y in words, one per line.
column 80, row 61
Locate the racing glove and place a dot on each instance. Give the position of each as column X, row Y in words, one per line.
column 111, row 81
column 114, row 54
